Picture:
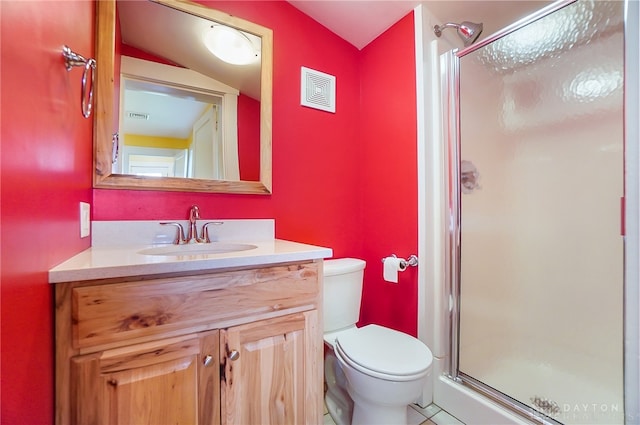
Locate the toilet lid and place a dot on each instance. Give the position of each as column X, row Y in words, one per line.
column 385, row 351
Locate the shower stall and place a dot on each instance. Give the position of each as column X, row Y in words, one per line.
column 532, row 287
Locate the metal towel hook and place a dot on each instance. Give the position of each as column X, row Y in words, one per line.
column 72, row 59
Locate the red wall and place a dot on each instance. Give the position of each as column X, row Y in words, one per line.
column 389, row 184
column 344, row 180
column 46, row 170
column 249, row 138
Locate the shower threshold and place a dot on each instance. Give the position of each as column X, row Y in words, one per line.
column 531, row 413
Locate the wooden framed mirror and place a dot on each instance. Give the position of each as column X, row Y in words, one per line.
column 111, row 136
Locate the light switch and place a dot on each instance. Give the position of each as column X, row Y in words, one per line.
column 85, row 219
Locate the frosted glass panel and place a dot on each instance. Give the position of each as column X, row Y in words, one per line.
column 541, row 289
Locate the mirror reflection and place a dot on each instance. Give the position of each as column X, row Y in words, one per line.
column 193, row 100
column 178, row 123
column 168, row 131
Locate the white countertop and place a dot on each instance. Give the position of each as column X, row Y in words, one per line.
column 100, row 262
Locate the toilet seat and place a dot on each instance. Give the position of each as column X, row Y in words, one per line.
column 384, row 353
column 330, row 337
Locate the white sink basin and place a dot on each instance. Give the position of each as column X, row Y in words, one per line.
column 197, row 249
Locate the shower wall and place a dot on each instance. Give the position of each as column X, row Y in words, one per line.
column 541, row 305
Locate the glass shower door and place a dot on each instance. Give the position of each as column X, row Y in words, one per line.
column 540, row 261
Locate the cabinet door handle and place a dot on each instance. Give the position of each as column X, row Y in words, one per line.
column 234, row 355
column 208, row 359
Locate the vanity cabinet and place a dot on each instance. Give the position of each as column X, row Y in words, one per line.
column 268, row 383
column 166, row 381
column 234, row 346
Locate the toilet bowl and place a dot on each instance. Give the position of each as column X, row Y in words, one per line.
column 372, row 373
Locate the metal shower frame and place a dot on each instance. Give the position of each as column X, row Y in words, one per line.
column 450, row 86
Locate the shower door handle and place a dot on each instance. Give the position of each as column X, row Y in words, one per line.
column 469, row 177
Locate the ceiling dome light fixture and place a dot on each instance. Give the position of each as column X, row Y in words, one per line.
column 230, row 45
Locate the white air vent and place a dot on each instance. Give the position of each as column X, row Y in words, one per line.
column 138, row 115
column 318, row 90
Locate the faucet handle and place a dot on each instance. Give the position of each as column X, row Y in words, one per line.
column 205, row 230
column 179, row 233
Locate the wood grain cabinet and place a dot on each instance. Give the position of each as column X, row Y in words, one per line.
column 228, row 347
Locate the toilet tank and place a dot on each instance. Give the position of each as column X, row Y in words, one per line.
column 342, row 292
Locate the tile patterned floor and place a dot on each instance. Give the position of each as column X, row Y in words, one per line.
column 430, row 415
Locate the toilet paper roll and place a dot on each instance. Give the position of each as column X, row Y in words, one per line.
column 391, row 267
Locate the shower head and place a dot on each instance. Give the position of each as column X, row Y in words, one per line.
column 467, row 31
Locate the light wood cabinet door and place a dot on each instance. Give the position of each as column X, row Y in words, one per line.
column 272, row 371
column 171, row 381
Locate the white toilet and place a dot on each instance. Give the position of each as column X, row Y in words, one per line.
column 372, row 373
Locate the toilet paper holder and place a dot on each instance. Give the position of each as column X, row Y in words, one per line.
column 411, row 261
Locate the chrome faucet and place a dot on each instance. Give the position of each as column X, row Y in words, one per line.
column 192, row 235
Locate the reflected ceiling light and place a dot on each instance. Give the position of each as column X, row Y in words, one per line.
column 590, row 85
column 467, row 31
column 230, row 45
